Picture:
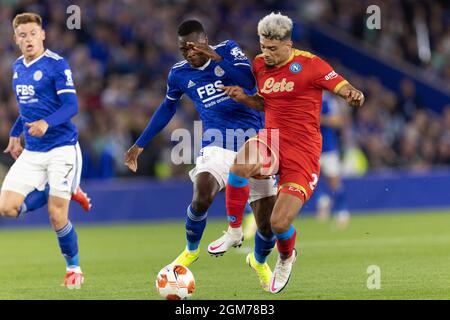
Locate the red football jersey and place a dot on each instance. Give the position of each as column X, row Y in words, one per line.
column 293, row 97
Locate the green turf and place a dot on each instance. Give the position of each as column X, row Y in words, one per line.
column 121, row 261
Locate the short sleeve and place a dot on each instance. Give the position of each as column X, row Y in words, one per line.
column 173, row 91
column 325, row 77
column 63, row 77
column 235, row 55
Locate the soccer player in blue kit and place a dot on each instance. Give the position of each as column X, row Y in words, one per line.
column 38, row 198
column 45, row 92
column 200, row 76
column 331, row 120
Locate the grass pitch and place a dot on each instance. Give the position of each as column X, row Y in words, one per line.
column 121, row 261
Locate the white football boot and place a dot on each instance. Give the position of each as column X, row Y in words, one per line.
column 231, row 238
column 282, row 273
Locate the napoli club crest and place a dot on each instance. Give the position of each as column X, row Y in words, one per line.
column 295, row 67
column 218, row 71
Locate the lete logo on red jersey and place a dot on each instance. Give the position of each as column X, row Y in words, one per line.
column 270, row 85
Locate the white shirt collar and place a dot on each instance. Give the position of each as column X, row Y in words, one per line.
column 33, row 61
column 203, row 67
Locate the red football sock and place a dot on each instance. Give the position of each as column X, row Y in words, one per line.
column 236, row 199
column 286, row 246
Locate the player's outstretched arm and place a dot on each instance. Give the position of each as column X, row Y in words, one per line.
column 160, row 119
column 353, row 96
column 237, row 94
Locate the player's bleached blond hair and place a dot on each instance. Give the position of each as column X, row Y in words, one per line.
column 27, row 17
column 275, row 26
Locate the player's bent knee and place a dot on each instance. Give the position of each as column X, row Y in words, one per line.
column 244, row 170
column 9, row 211
column 239, row 169
column 58, row 212
column 279, row 225
column 10, row 203
column 202, row 204
column 58, row 220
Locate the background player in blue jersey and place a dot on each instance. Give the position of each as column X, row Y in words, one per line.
column 331, row 121
column 200, row 77
column 38, row 198
column 45, row 92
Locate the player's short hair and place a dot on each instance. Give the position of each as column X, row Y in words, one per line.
column 190, row 26
column 275, row 26
column 27, row 17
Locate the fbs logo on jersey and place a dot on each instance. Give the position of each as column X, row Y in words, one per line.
column 210, row 91
column 24, row 91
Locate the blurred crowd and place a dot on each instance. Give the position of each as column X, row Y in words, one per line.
column 413, row 31
column 396, row 129
column 121, row 56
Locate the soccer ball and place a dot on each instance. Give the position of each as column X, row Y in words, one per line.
column 175, row 282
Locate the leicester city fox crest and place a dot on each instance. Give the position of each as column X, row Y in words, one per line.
column 37, row 75
column 218, row 71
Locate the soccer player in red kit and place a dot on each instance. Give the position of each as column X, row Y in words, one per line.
column 290, row 84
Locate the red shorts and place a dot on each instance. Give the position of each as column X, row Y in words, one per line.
column 298, row 169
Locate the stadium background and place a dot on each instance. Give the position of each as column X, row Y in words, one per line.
column 395, row 150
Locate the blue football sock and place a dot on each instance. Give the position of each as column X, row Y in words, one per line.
column 195, row 225
column 339, row 200
column 248, row 209
column 35, row 200
column 68, row 242
column 263, row 246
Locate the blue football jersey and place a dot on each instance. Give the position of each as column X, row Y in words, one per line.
column 329, row 135
column 37, row 86
column 216, row 109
